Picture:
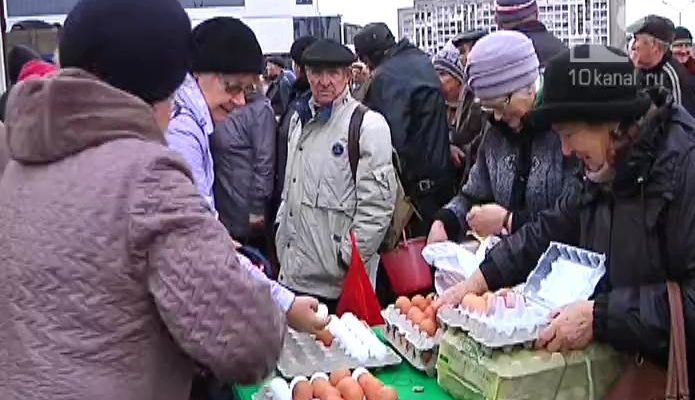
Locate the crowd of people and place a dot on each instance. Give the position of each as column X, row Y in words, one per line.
column 166, row 213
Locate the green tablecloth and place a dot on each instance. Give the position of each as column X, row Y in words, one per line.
column 404, row 378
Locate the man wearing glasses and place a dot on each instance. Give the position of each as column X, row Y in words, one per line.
column 650, row 52
column 323, row 200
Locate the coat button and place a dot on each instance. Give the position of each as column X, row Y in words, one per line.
column 294, row 180
column 301, row 149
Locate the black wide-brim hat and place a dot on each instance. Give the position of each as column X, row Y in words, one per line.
column 591, row 83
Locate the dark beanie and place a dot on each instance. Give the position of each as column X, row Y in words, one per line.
column 18, row 57
column 683, row 36
column 591, row 83
column 225, row 45
column 374, row 38
column 299, row 46
column 141, row 47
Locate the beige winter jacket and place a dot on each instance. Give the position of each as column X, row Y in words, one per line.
column 114, row 277
column 321, row 203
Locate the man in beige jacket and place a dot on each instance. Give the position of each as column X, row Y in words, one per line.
column 321, row 202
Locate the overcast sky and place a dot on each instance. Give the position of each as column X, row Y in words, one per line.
column 365, row 11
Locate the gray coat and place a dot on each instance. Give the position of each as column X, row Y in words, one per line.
column 243, row 150
column 493, row 176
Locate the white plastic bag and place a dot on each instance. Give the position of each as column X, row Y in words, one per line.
column 452, row 264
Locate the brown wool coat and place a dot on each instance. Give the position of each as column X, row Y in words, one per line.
column 114, row 279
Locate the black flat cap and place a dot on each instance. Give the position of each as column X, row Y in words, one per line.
column 326, row 52
column 468, row 37
column 659, row 27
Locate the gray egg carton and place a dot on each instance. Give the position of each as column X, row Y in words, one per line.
column 303, row 355
column 418, row 349
column 502, row 331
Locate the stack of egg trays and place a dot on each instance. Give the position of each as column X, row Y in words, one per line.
column 304, row 356
column 540, row 308
column 419, row 350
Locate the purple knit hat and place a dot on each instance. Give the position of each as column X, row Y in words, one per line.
column 500, row 64
column 509, row 11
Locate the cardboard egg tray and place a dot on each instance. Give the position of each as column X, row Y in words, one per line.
column 509, row 327
column 417, row 348
column 304, row 356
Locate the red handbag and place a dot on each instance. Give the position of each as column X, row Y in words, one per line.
column 406, row 269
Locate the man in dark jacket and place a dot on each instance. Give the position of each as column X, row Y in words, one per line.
column 682, row 48
column 243, row 150
column 651, row 54
column 522, row 16
column 280, row 85
column 405, row 89
column 635, row 206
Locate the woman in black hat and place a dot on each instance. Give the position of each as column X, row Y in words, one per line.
column 635, row 206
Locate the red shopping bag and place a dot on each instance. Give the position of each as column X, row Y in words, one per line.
column 358, row 295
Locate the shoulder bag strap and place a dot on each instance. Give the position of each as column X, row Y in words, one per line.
column 354, row 133
column 677, row 386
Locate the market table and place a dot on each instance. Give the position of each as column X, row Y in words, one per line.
column 404, row 378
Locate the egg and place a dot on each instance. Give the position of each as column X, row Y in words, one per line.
column 320, row 387
column 420, row 302
column 350, row 389
column 388, row 393
column 430, row 312
column 428, row 326
column 330, row 393
column 338, row 375
column 370, row 385
column 333, row 397
column 467, row 300
column 415, row 315
column 403, row 305
column 303, row 390
column 478, row 305
column 325, row 337
column 510, row 299
column 490, row 303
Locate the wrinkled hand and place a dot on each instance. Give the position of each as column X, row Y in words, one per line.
column 302, row 315
column 458, row 157
column 453, row 296
column 487, row 220
column 437, row 233
column 256, row 221
column 571, row 329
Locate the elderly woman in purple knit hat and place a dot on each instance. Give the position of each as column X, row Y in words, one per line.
column 464, row 114
column 520, row 169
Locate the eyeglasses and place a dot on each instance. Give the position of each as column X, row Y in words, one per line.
column 499, row 105
column 235, row 88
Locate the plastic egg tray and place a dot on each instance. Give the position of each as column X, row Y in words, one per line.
column 302, row 355
column 522, row 323
column 416, row 347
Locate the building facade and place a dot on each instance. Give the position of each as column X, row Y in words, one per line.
column 431, row 23
column 276, row 22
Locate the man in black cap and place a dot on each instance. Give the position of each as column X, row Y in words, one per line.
column 332, row 188
column 405, row 88
column 650, row 52
column 465, row 41
column 280, row 85
column 682, row 48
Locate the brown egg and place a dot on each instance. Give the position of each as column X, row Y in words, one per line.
column 325, row 337
column 350, row 389
column 333, row 397
column 388, row 393
column 428, row 326
column 330, row 393
column 430, row 313
column 338, row 375
column 371, row 386
column 320, row 387
column 468, row 300
column 372, row 392
column 403, row 305
column 302, row 391
column 415, row 316
column 420, row 302
column 478, row 305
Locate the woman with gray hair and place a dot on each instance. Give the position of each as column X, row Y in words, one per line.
column 519, row 169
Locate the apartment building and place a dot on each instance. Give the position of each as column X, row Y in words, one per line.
column 431, row 23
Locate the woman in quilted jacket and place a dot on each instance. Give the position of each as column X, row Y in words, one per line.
column 115, row 279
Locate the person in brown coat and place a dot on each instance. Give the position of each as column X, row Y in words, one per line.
column 115, row 279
